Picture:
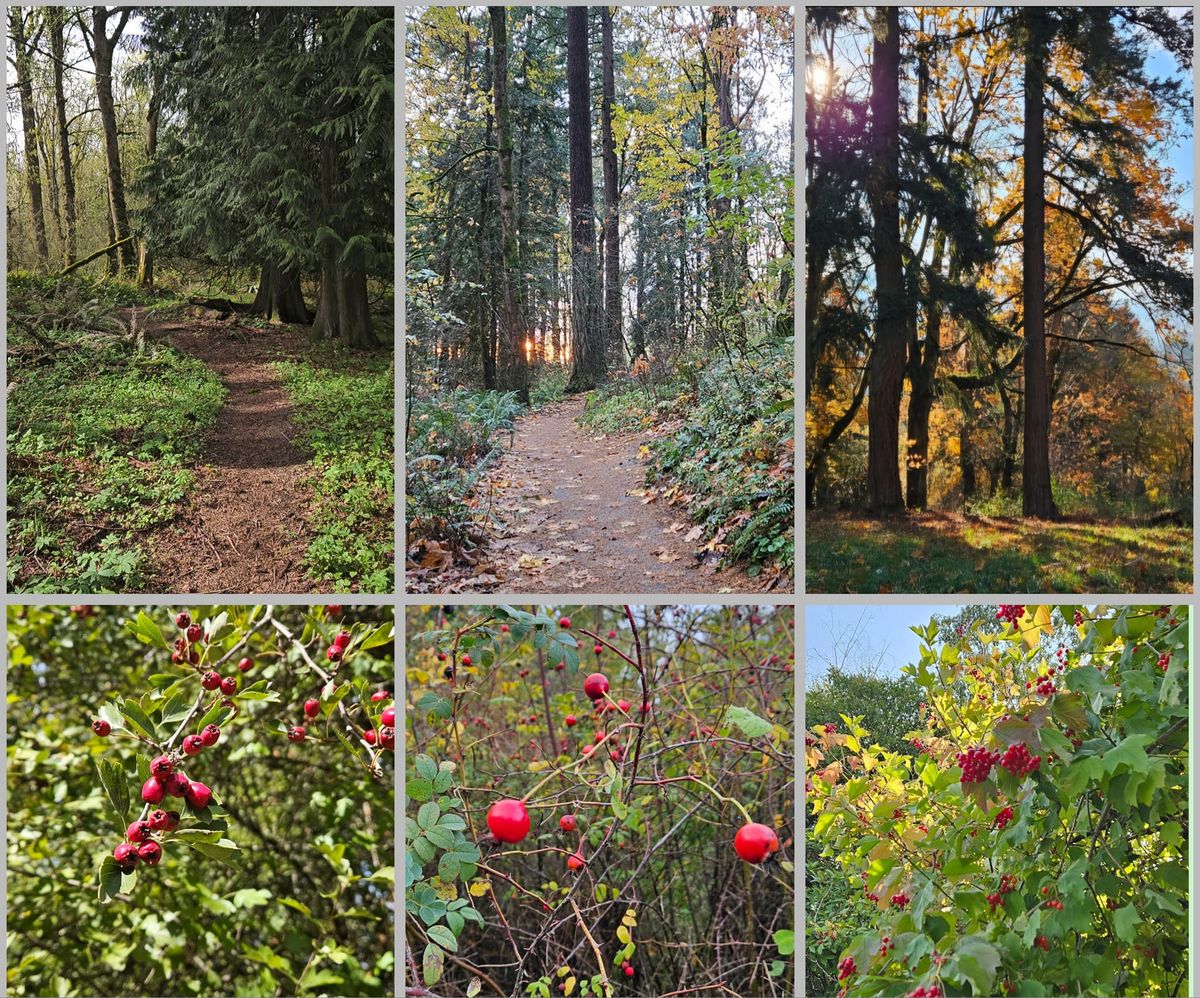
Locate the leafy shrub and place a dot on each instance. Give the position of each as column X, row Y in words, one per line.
column 451, row 440
column 551, row 385
column 344, row 405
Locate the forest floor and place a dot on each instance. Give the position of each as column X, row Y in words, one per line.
column 573, row 513
column 953, row 553
column 243, row 529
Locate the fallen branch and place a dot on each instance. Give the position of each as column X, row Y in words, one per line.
column 88, row 259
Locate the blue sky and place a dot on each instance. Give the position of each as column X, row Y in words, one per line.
column 856, row 636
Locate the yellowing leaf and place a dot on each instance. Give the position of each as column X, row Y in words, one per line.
column 479, row 888
column 623, row 933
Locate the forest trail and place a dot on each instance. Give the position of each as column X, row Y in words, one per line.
column 577, row 516
column 243, row 528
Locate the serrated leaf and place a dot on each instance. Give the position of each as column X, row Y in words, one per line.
column 425, row 767
column 147, row 631
column 382, row 635
column 137, row 719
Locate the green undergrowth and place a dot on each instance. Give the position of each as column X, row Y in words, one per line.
column 100, row 435
column 723, row 449
column 344, row 407
column 452, row 438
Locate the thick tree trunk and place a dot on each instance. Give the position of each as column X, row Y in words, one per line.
column 725, row 264
column 1037, row 493
column 153, row 111
column 612, row 203
column 279, row 294
column 887, row 357
column 102, row 46
column 58, row 52
column 33, row 166
column 587, row 350
column 513, row 366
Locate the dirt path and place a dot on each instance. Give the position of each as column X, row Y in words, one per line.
column 243, row 530
column 577, row 516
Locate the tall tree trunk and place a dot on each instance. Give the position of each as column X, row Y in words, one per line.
column 1037, row 494
column 612, row 202
column 638, row 345
column 58, row 53
column 883, row 189
column 33, row 166
column 279, row 294
column 587, row 349
column 153, row 112
column 102, row 46
column 966, row 452
column 513, row 366
column 725, row 264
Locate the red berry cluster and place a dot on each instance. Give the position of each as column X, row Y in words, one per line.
column 886, row 946
column 928, row 991
column 1164, row 660
column 1078, row 618
column 1018, row 761
column 1055, row 904
column 900, row 900
column 627, row 967
column 143, row 842
column 185, row 650
column 1042, row 943
column 977, row 763
column 847, row 968
column 1010, row 613
column 1046, row 687
column 1003, row 818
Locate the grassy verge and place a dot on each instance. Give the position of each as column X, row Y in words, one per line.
column 344, row 407
column 933, row 553
column 99, row 435
column 723, row 450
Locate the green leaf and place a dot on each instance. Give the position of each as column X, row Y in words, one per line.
column 315, row 979
column 112, row 778
column 147, row 631
column 300, row 906
column 432, row 964
column 109, row 878
column 428, row 815
column 750, row 723
column 978, row 960
column 268, row 957
column 785, row 941
column 1124, row 919
column 224, row 851
column 382, row 635
column 250, row 897
column 138, row 720
column 441, row 935
column 425, row 767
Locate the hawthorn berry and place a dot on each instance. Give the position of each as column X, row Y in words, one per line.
column 182, row 620
column 977, row 763
column 312, row 707
column 138, row 831
column 229, row 685
column 333, row 610
column 150, row 853
column 1018, row 761
column 754, row 842
column 847, row 968
column 567, row 823
column 388, row 717
column 192, row 744
column 571, row 721
column 900, row 900
column 508, row 820
column 623, row 706
column 1003, row 818
column 158, row 819
column 564, row 623
column 1010, row 613
column 575, row 860
column 210, row 734
column 333, row 653
column 598, row 649
column 387, row 737
column 126, row 856
column 177, row 785
column 161, row 766
column 245, row 665
column 101, row 727
column 198, row 795
column 210, row 680
column 296, row 734
column 369, row 736
column 595, row 686
column 386, row 695
column 194, row 633
column 612, row 634
column 341, row 639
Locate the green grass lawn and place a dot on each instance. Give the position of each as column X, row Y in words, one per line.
column 940, row 553
column 344, row 406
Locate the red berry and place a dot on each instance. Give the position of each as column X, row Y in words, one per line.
column 628, row 970
column 504, row 628
column 177, row 785
column 161, row 766
column 333, row 653
column 508, row 820
column 246, row 664
column 150, row 853
column 101, row 727
column 598, row 649
column 192, row 744
column 194, row 633
column 312, row 707
column 623, row 706
column 382, row 695
column 466, row 660
column 571, row 721
column 198, row 795
column 182, row 620
column 567, row 823
column 369, row 735
column 387, row 737
column 575, row 860
column 564, row 623
column 210, row 680
column 139, row 831
column 229, row 685
column 126, row 856
column 388, row 716
column 595, row 686
column 612, row 634
column 210, row 734
column 342, row 639
column 159, row 819
column 296, row 734
column 754, row 842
